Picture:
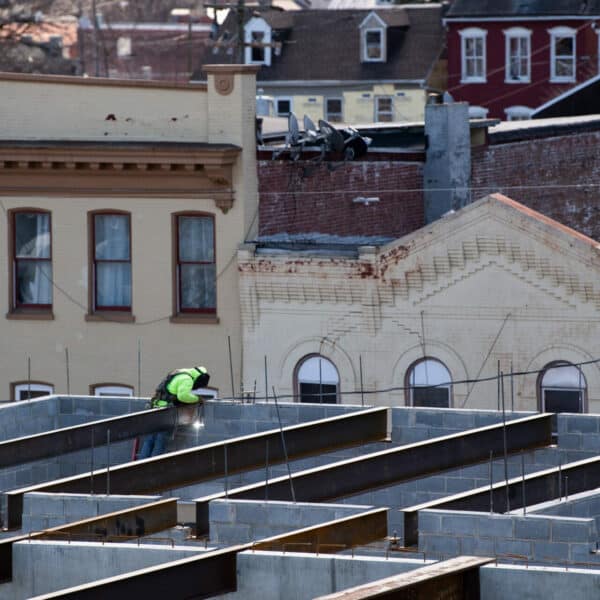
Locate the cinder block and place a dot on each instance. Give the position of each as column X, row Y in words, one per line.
column 457, row 524
column 582, row 424
column 550, row 551
column 430, row 522
column 459, row 420
column 429, row 417
column 573, row 530
column 440, row 545
column 499, row 526
column 570, row 441
column 432, row 484
column 520, row 547
column 532, row 528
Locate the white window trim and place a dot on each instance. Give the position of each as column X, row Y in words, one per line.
column 562, row 32
column 377, row 111
column 113, row 390
column 478, row 112
column 518, row 112
column 276, row 104
column 382, row 46
column 124, row 46
column 467, row 34
column 34, row 387
column 341, row 99
column 511, row 34
column 259, row 25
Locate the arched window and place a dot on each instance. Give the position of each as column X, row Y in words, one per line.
column 428, row 383
column 562, row 388
column 26, row 390
column 112, row 389
column 317, row 380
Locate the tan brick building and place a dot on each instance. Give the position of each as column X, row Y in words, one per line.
column 122, row 204
column 493, row 286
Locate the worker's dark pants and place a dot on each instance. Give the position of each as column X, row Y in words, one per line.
column 154, row 444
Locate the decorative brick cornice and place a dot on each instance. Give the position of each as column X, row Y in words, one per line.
column 139, row 170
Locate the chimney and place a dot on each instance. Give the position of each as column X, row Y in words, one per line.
column 447, row 171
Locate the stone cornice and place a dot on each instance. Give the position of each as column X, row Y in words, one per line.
column 121, row 169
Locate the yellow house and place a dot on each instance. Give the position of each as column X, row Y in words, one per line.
column 352, row 66
column 122, row 205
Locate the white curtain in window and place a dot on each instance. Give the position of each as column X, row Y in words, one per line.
column 197, row 255
column 32, row 253
column 113, row 265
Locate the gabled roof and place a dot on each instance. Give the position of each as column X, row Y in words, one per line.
column 325, row 44
column 507, row 8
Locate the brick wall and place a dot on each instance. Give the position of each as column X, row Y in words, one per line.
column 549, row 171
column 303, row 197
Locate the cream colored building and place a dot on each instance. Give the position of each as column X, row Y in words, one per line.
column 495, row 286
column 122, row 207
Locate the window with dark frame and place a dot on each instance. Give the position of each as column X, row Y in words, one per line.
column 283, row 106
column 112, row 261
column 429, row 383
column 563, row 388
column 196, row 267
column 334, row 110
column 32, row 260
column 258, row 52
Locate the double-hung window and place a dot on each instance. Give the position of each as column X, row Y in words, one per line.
column 473, row 55
column 334, row 110
column 111, row 261
column 518, row 55
column 562, row 54
column 384, row 109
column 195, row 263
column 31, row 260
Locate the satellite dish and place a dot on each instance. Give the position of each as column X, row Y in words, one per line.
column 293, row 129
column 309, row 126
column 334, row 138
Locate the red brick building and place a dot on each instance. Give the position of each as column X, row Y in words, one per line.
column 508, row 58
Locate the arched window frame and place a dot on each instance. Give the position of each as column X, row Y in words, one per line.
column 409, row 387
column 297, row 382
column 583, row 404
column 17, row 387
column 111, row 389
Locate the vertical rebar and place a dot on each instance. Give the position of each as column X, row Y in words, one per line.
column 523, row 498
column 320, row 382
column 498, row 385
column 92, row 465
column 67, row 367
column 231, row 367
column 29, row 378
column 139, row 368
column 559, row 479
column 491, row 482
column 226, row 470
column 362, row 392
column 108, row 462
column 267, row 471
column 512, row 388
column 285, row 454
column 566, row 487
column 504, row 443
column 266, row 382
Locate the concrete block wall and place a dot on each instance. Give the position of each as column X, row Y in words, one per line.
column 42, row 510
column 274, row 575
column 242, row 521
column 508, row 582
column 44, row 567
column 585, row 505
column 535, row 538
column 19, row 419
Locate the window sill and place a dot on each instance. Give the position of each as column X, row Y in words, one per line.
column 195, row 319
column 474, row 80
column 110, row 317
column 563, row 80
column 30, row 315
column 516, row 81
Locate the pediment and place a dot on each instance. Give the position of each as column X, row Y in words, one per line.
column 495, row 285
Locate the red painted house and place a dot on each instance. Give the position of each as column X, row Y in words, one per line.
column 508, row 57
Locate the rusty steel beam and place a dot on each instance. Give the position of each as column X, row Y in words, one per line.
column 457, row 578
column 392, row 466
column 79, row 437
column 202, row 463
column 541, row 486
column 214, row 573
column 138, row 521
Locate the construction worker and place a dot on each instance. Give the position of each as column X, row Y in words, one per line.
column 176, row 389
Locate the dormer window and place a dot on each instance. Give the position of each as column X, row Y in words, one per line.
column 373, row 39
column 257, row 38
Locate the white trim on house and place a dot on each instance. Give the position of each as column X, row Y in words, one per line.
column 259, row 26
column 373, row 23
column 473, row 34
column 515, row 19
column 517, row 33
column 562, row 33
column 518, row 113
column 478, row 112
